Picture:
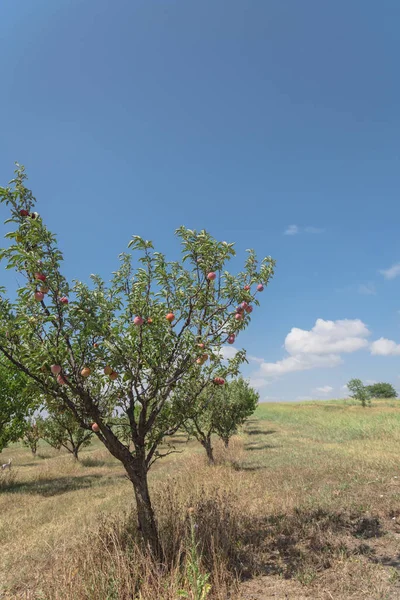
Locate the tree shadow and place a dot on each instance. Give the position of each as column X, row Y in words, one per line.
column 259, row 446
column 260, row 431
column 59, row 485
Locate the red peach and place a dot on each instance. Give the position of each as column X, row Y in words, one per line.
column 260, row 287
column 56, row 369
column 238, row 317
column 231, row 339
column 85, row 372
column 40, row 277
column 138, row 321
column 64, row 300
column 247, row 288
column 113, row 376
column 249, row 309
column 170, row 317
column 24, row 212
column 201, row 345
column 61, row 380
column 39, row 296
column 211, row 276
column 95, row 428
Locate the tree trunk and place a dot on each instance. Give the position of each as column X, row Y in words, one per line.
column 206, row 443
column 146, row 521
column 75, row 451
column 226, row 442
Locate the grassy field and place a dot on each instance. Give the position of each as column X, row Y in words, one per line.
column 304, row 504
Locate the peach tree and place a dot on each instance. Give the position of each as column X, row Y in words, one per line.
column 131, row 346
column 221, row 411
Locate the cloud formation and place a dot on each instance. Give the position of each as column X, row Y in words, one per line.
column 291, row 230
column 392, row 272
column 295, row 229
column 319, row 347
column 385, row 347
column 325, row 389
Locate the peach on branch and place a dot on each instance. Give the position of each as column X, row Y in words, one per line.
column 138, row 321
column 56, row 369
column 85, row 372
column 39, row 296
column 108, row 370
column 170, row 317
column 95, row 428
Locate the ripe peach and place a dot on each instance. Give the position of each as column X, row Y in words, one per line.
column 170, row 317
column 39, row 296
column 56, row 369
column 95, row 428
column 211, row 276
column 238, row 317
column 247, row 288
column 149, row 320
column 113, row 376
column 260, row 287
column 249, row 309
column 40, row 277
column 64, row 300
column 85, row 372
column 231, row 339
column 201, row 345
column 24, row 212
column 61, row 380
column 138, row 321
column 199, row 361
column 108, row 370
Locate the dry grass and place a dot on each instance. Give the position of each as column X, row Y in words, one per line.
column 304, row 504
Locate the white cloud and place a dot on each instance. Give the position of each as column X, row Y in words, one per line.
column 228, row 352
column 258, row 382
column 385, row 347
column 367, row 289
column 319, row 347
column 291, row 230
column 255, row 359
column 325, row 389
column 327, row 337
column 391, row 272
column 294, row 229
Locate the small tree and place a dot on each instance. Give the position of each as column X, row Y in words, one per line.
column 382, row 390
column 133, row 344
column 31, row 435
column 222, row 411
column 61, row 430
column 359, row 391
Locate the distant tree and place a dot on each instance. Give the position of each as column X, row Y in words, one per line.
column 31, row 435
column 359, row 391
column 382, row 390
column 221, row 411
column 15, row 403
column 61, row 430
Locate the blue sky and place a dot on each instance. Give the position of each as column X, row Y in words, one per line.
column 274, row 124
